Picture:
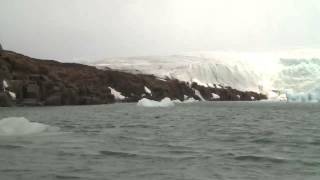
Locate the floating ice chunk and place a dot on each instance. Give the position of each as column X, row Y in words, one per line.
column 215, row 96
column 13, row 95
column 190, row 100
column 166, row 102
column 117, row 95
column 147, row 90
column 177, row 101
column 18, row 126
column 197, row 92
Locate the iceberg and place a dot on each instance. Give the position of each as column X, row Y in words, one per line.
column 19, row 126
column 166, row 102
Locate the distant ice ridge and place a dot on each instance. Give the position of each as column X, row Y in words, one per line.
column 19, row 126
column 292, row 75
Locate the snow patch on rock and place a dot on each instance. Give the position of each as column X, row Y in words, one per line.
column 13, row 95
column 117, row 95
column 215, row 96
column 147, row 90
column 197, row 92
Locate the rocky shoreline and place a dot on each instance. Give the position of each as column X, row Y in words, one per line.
column 27, row 81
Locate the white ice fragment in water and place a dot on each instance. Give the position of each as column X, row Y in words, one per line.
column 190, row 100
column 147, row 90
column 215, row 96
column 166, row 102
column 177, row 101
column 18, row 126
column 117, row 95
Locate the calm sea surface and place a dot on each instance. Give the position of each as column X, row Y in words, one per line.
column 201, row 141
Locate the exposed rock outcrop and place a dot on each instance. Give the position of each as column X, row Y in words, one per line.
column 47, row 82
column 0, row 49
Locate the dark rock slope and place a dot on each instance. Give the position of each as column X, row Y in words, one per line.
column 47, row 82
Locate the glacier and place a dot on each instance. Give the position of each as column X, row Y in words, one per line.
column 287, row 75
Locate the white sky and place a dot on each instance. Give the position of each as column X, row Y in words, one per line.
column 72, row 29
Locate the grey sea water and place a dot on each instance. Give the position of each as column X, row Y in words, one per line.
column 201, row 141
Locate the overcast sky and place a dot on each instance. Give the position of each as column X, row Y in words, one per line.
column 71, row 29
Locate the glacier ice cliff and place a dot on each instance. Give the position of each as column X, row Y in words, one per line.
column 292, row 75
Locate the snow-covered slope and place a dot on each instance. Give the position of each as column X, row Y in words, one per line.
column 294, row 74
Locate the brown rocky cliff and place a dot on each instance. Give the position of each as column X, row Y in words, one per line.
column 47, row 82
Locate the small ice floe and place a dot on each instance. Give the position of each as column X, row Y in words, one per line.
column 19, row 126
column 166, row 102
column 117, row 95
column 147, row 90
column 215, row 96
column 190, row 100
column 177, row 101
